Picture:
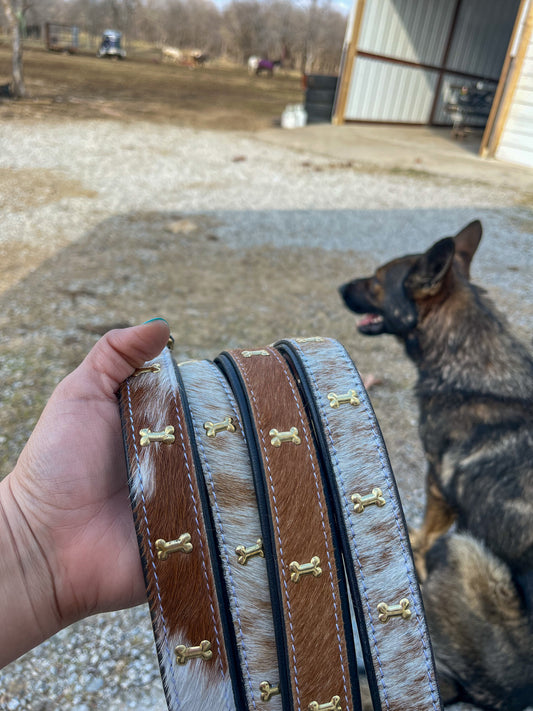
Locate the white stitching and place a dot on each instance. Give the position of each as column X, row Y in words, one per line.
column 393, row 498
column 283, row 567
column 229, row 706
column 392, row 494
column 322, row 520
column 333, row 452
column 149, row 542
column 199, row 440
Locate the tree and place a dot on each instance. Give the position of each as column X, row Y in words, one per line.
column 14, row 13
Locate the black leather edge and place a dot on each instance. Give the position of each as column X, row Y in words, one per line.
column 145, row 565
column 231, row 372
column 334, row 504
column 228, row 630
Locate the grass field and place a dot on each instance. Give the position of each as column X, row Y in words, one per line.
column 215, row 96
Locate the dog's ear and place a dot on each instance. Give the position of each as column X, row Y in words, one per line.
column 427, row 273
column 466, row 244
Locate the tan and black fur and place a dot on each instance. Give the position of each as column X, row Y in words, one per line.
column 475, row 396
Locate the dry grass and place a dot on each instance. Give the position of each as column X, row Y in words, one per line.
column 216, row 297
column 214, row 96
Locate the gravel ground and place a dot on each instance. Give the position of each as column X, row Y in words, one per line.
column 237, row 242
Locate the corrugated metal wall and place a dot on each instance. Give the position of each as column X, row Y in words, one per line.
column 410, row 30
column 482, row 36
column 516, row 143
column 390, row 92
column 417, row 31
column 413, row 30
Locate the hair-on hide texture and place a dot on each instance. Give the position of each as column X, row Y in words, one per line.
column 226, row 467
column 379, row 547
column 165, row 500
column 315, row 632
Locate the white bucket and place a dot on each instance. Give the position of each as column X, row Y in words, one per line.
column 294, row 116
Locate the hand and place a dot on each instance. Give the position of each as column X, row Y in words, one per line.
column 67, row 514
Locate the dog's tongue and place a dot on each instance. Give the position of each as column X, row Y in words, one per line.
column 369, row 318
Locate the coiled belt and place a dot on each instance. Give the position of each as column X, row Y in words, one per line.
column 262, row 493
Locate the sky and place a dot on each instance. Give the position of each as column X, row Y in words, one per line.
column 340, row 5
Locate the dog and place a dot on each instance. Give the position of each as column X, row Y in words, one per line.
column 474, row 550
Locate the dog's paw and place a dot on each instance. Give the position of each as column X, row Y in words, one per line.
column 419, row 548
column 420, row 566
column 370, row 380
column 416, row 537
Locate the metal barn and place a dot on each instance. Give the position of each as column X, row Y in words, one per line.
column 415, row 61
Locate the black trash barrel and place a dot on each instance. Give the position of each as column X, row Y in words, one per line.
column 319, row 97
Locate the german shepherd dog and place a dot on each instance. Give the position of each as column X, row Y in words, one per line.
column 475, row 397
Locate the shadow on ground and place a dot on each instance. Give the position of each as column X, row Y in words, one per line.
column 220, row 285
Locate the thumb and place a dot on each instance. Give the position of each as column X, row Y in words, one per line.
column 116, row 355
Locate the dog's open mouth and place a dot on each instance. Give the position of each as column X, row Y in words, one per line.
column 371, row 324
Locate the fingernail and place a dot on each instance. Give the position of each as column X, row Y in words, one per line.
column 157, row 318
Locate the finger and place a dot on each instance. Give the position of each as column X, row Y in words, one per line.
column 116, row 355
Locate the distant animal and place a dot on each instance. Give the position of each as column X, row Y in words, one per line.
column 171, row 54
column 188, row 58
column 253, row 61
column 475, row 397
column 265, row 66
column 199, row 57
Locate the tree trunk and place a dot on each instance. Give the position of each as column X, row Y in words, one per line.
column 13, row 12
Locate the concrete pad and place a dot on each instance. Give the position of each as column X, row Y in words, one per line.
column 404, row 149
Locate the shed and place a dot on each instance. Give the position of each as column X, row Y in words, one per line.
column 404, row 61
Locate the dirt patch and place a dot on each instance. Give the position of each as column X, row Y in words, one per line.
column 215, row 297
column 77, row 87
column 24, row 188
column 20, row 191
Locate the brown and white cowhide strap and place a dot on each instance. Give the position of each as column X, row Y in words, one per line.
column 225, row 462
column 309, row 600
column 376, row 548
column 176, row 550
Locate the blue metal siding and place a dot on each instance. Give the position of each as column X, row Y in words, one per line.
column 481, row 36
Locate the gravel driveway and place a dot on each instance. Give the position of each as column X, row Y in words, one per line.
column 236, row 242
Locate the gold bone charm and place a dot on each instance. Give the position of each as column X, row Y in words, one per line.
column 313, row 568
column 166, row 437
column 180, row 545
column 267, row 691
column 243, row 554
column 333, row 705
column 250, row 354
column 203, row 651
column 154, row 368
column 349, row 399
column 213, row 428
column 387, row 611
column 311, row 339
column 279, row 437
column 360, row 502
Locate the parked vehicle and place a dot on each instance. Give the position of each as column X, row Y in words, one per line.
column 110, row 45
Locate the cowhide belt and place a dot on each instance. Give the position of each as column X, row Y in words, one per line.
column 262, row 493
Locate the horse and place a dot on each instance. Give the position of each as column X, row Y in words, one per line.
column 267, row 66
